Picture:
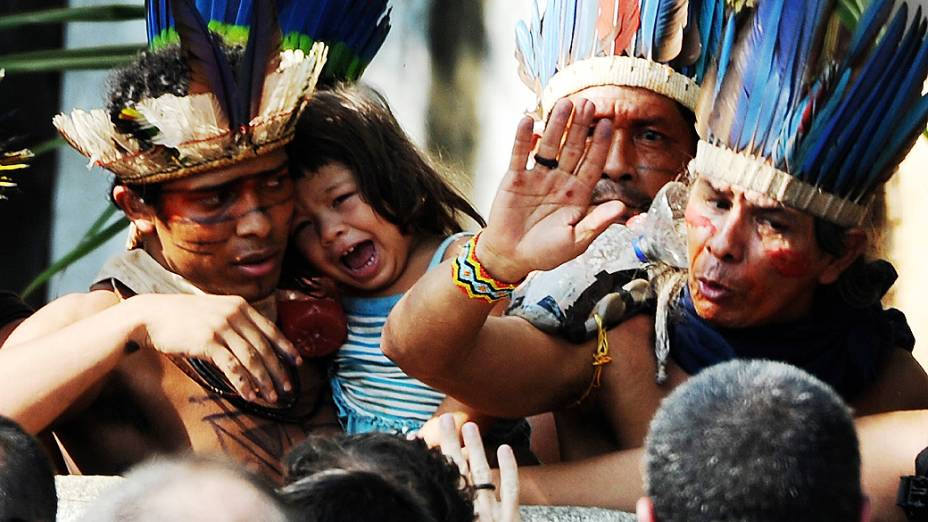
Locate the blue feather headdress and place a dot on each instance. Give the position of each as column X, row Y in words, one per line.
column 231, row 113
column 814, row 106
column 665, row 46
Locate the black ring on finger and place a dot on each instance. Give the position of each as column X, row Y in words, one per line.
column 545, row 162
column 487, row 485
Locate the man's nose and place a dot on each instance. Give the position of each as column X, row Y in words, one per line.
column 728, row 241
column 622, row 159
column 254, row 220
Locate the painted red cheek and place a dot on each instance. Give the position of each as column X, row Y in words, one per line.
column 695, row 219
column 788, row 262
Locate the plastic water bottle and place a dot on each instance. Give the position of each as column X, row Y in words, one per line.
column 551, row 299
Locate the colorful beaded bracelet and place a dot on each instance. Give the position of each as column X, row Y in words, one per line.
column 468, row 274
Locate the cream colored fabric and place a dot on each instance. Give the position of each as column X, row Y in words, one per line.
column 139, row 272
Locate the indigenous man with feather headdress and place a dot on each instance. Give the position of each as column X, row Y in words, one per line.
column 639, row 68
column 806, row 114
column 195, row 132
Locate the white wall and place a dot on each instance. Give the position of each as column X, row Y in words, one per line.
column 80, row 196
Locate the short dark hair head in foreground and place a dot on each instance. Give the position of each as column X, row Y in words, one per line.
column 753, row 441
column 340, row 495
column 27, row 483
column 375, row 476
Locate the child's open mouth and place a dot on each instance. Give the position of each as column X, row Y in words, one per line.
column 361, row 259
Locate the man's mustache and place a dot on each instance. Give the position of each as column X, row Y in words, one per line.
column 608, row 190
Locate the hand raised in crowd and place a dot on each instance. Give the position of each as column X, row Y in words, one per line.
column 541, row 217
column 224, row 330
column 472, row 461
column 432, row 433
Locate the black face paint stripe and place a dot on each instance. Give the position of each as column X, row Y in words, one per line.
column 665, row 170
column 225, row 219
column 203, row 242
column 195, row 252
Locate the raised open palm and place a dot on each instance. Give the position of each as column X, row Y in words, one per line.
column 541, row 217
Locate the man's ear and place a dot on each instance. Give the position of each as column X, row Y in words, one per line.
column 644, row 510
column 855, row 242
column 140, row 213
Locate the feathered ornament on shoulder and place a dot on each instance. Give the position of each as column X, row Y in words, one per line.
column 662, row 45
column 10, row 160
column 816, row 102
column 230, row 112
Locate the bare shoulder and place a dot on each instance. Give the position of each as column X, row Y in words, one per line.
column 62, row 312
column 901, row 385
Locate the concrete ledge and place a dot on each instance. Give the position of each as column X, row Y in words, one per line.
column 76, row 493
column 573, row 514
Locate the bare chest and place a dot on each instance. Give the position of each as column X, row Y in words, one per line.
column 150, row 406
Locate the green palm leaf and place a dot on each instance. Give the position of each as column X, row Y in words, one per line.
column 101, row 13
column 96, row 235
column 103, row 57
column 47, row 146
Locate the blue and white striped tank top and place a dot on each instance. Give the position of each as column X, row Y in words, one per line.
column 370, row 391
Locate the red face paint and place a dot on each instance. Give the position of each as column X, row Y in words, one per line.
column 788, row 262
column 696, row 220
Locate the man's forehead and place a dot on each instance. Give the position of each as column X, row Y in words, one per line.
column 755, row 199
column 272, row 162
column 613, row 101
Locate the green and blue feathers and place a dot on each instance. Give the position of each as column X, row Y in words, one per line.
column 827, row 91
column 354, row 30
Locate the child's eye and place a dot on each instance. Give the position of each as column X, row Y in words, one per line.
column 720, row 204
column 342, row 198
